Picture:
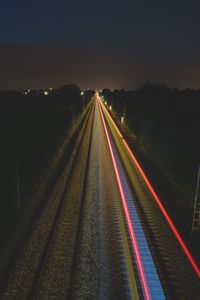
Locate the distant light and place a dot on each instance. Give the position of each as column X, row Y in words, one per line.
column 102, row 97
column 82, row 93
column 46, row 93
column 110, row 107
column 25, row 93
column 105, row 102
column 122, row 120
column 51, row 89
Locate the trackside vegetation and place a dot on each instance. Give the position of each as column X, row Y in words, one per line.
column 162, row 126
column 37, row 131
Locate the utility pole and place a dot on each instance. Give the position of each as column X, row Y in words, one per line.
column 111, row 106
column 73, row 114
column 18, row 182
column 83, row 98
column 15, row 168
column 196, row 213
column 124, row 113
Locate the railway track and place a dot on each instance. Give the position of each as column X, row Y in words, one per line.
column 80, row 220
column 48, row 265
column 146, row 271
column 168, row 261
column 41, row 267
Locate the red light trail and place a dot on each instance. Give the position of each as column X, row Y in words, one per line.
column 131, row 231
column 158, row 201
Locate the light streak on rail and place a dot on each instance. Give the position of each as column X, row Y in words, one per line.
column 155, row 196
column 131, row 231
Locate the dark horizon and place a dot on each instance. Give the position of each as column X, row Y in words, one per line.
column 44, row 66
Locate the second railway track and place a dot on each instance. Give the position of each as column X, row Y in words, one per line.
column 34, row 294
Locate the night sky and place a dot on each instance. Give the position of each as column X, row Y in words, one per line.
column 99, row 43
